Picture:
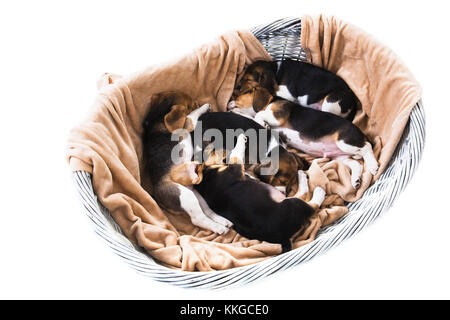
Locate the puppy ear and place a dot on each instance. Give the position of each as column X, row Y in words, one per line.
column 292, row 186
column 268, row 77
column 274, row 66
column 261, row 98
column 248, row 86
column 266, row 163
column 176, row 118
column 186, row 175
column 301, row 162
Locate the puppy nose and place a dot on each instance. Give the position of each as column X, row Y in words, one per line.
column 231, row 105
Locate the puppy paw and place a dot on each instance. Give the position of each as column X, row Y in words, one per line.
column 259, row 120
column 237, row 155
column 222, row 221
column 302, row 182
column 282, row 189
column 209, row 224
column 242, row 139
column 356, row 183
column 318, row 196
column 373, row 168
column 220, row 229
column 263, row 124
column 205, row 108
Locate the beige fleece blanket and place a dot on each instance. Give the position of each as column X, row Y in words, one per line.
column 108, row 144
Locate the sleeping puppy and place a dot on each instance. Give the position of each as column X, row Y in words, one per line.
column 172, row 182
column 262, row 148
column 320, row 134
column 257, row 210
column 299, row 82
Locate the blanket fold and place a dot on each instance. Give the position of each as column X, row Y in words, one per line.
column 108, row 143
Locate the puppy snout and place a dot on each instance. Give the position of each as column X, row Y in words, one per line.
column 231, row 105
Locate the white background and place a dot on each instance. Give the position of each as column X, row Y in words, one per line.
column 52, row 53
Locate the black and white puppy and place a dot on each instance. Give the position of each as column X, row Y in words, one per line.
column 320, row 134
column 299, row 82
column 257, row 210
column 263, row 148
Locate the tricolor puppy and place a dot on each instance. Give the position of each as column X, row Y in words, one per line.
column 257, row 210
column 263, row 148
column 172, row 180
column 299, row 82
column 320, row 134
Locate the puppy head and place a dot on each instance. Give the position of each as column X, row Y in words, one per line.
column 173, row 106
column 290, row 164
column 259, row 74
column 187, row 174
column 287, row 173
column 252, row 101
column 214, row 163
column 169, row 98
column 256, row 88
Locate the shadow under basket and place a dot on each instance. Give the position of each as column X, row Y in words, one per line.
column 282, row 40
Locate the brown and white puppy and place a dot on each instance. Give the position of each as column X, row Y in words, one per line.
column 299, row 82
column 167, row 158
column 320, row 134
column 257, row 210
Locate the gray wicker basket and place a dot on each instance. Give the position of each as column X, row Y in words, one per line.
column 281, row 40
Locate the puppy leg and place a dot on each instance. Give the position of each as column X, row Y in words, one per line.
column 356, row 171
column 237, row 155
column 306, row 102
column 317, row 198
column 341, row 102
column 369, row 158
column 282, row 189
column 333, row 107
column 365, row 152
column 318, row 194
column 210, row 213
column 302, row 184
column 283, row 92
column 194, row 115
column 191, row 206
column 247, row 112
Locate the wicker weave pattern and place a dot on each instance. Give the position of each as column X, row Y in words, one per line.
column 281, row 40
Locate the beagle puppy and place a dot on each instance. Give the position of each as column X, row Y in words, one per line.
column 320, row 134
column 299, row 82
column 171, row 180
column 257, row 210
column 263, row 148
